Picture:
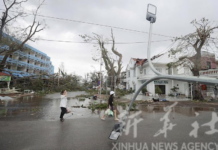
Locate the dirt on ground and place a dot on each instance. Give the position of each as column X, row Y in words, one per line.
column 203, row 104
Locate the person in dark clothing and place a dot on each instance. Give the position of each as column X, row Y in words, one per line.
column 111, row 106
column 215, row 90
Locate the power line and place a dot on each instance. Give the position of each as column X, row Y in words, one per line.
column 62, row 41
column 102, row 25
column 165, row 50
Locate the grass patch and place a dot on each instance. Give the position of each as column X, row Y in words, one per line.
column 81, row 99
column 98, row 106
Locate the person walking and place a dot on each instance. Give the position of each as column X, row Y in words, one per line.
column 111, row 106
column 63, row 104
column 215, row 90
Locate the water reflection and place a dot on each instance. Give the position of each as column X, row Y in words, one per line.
column 47, row 108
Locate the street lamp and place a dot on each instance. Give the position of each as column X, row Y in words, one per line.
column 151, row 16
column 151, row 13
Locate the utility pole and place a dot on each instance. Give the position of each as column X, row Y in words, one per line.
column 191, row 92
column 106, row 84
column 115, row 84
column 100, row 69
column 58, row 75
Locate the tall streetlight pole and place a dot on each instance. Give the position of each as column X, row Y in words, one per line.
column 151, row 16
column 100, row 69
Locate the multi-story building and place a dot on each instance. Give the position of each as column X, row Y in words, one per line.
column 138, row 71
column 27, row 62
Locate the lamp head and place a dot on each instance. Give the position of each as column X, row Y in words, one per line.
column 151, row 13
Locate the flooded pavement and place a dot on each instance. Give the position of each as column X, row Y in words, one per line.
column 47, row 108
column 37, row 107
column 33, row 123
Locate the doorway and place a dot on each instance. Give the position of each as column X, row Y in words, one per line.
column 162, row 87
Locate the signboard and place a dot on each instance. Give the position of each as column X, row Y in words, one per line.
column 161, row 82
column 142, row 81
column 5, row 78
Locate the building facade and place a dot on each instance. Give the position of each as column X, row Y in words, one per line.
column 138, row 71
column 27, row 62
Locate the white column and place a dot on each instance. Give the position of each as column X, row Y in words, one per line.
column 8, row 83
column 172, row 80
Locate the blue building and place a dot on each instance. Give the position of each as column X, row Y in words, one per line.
column 28, row 61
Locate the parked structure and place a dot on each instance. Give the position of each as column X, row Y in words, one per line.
column 28, row 61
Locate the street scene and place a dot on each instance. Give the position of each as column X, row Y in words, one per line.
column 108, row 75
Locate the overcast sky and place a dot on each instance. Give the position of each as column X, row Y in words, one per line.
column 173, row 19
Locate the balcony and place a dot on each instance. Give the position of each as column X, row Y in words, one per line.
column 145, row 77
column 31, row 66
column 32, row 57
column 21, row 63
column 210, row 72
column 22, row 54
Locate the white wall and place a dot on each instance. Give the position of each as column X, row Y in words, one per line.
column 159, row 63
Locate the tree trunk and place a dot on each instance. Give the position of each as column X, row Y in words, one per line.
column 197, row 95
column 2, row 65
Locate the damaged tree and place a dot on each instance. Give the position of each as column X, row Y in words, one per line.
column 190, row 46
column 112, row 66
column 15, row 40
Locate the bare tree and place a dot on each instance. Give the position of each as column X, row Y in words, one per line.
column 62, row 69
column 112, row 66
column 189, row 48
column 23, row 34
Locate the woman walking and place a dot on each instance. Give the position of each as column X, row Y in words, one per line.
column 110, row 106
column 63, row 104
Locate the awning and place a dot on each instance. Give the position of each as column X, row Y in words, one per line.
column 5, row 77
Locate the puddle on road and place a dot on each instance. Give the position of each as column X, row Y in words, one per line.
column 47, row 108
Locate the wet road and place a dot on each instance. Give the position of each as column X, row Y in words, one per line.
column 156, row 127
column 43, row 108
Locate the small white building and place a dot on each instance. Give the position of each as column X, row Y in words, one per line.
column 138, row 71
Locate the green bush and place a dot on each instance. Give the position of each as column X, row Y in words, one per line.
column 174, row 89
column 144, row 90
column 120, row 92
column 81, row 99
column 98, row 106
column 171, row 95
column 158, row 90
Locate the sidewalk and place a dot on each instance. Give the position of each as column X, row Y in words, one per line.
column 143, row 97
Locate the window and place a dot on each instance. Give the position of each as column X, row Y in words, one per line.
column 208, row 65
column 144, row 71
column 134, row 72
column 159, row 69
column 128, row 73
